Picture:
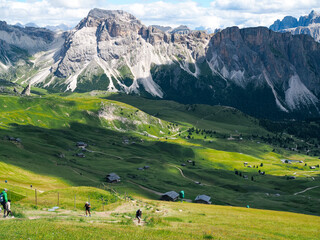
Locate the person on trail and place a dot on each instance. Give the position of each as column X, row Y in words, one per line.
column 138, row 215
column 181, row 195
column 88, row 207
column 4, row 200
column 9, row 208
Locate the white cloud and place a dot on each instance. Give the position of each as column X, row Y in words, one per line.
column 220, row 13
column 74, row 3
column 264, row 6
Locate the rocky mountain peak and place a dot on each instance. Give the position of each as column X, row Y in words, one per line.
column 162, row 28
column 287, row 22
column 111, row 14
column 115, row 22
column 27, row 90
column 313, row 14
column 182, row 29
column 309, row 24
column 313, row 17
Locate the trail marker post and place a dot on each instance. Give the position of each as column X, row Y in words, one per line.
column 36, row 198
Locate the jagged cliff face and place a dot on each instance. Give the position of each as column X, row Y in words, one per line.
column 258, row 58
column 9, row 55
column 313, row 30
column 287, row 22
column 309, row 25
column 261, row 72
column 117, row 45
column 27, row 54
column 31, row 39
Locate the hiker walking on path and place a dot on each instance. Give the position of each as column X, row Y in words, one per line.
column 9, row 208
column 88, row 207
column 138, row 215
column 4, row 200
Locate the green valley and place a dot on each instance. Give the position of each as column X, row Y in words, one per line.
column 213, row 150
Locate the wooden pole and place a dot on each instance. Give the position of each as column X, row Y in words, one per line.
column 102, row 205
column 58, row 199
column 75, row 197
column 36, row 198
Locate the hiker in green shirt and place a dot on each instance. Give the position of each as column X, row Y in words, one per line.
column 4, row 200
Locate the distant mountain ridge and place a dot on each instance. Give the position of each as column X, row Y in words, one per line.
column 60, row 27
column 309, row 24
column 31, row 39
column 259, row 71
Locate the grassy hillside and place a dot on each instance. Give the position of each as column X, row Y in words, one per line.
column 163, row 221
column 126, row 133
column 225, row 120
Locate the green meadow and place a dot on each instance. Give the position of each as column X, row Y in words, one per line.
column 195, row 148
column 162, row 220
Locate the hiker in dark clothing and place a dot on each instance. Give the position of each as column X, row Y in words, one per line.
column 4, row 200
column 88, row 207
column 138, row 215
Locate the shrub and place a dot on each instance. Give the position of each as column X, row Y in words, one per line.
column 127, row 221
column 153, row 221
column 207, row 236
column 18, row 214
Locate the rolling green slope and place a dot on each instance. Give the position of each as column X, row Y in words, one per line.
column 126, row 133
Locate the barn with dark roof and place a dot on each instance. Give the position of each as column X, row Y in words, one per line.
column 112, row 178
column 203, row 199
column 170, row 196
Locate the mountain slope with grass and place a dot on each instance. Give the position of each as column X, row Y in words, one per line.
column 166, row 136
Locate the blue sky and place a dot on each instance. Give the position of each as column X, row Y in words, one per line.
column 207, row 13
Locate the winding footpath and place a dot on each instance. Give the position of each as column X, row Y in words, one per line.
column 147, row 189
column 182, row 174
column 307, row 189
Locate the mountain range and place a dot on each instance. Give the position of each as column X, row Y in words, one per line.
column 60, row 27
column 309, row 25
column 261, row 72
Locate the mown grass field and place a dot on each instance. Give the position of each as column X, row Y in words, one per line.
column 125, row 133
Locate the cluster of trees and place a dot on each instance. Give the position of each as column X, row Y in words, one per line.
column 198, row 131
column 293, row 143
column 306, row 130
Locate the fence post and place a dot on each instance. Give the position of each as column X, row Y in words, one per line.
column 75, row 196
column 102, row 205
column 36, row 198
column 58, row 199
